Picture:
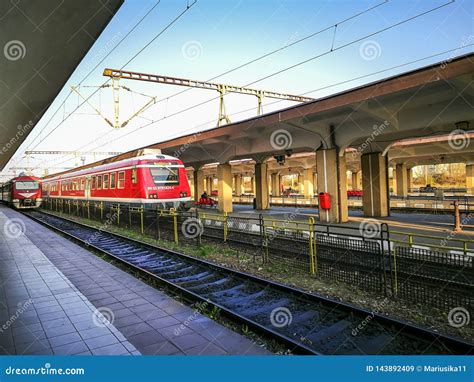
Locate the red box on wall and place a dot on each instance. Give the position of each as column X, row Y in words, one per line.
column 324, row 201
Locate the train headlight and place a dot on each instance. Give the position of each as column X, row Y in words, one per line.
column 183, row 194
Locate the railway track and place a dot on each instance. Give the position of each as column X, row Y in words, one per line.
column 306, row 323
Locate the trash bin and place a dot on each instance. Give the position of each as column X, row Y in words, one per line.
column 324, row 201
column 254, row 203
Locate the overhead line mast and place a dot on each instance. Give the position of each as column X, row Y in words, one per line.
column 223, row 89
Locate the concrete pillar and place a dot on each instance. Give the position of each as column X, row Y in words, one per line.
column 209, row 183
column 238, row 185
column 355, row 180
column 374, row 185
column 198, row 184
column 224, row 187
column 308, row 183
column 252, row 184
column 274, row 183
column 470, row 178
column 332, row 179
column 409, row 179
column 393, row 185
column 402, row 181
column 300, row 184
column 261, row 186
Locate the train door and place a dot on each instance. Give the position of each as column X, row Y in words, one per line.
column 87, row 191
column 134, row 183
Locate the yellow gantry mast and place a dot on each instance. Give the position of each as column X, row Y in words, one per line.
column 222, row 89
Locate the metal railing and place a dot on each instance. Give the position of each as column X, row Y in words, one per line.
column 417, row 267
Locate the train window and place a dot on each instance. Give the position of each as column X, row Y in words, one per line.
column 112, row 180
column 26, row 185
column 93, row 182
column 106, row 181
column 134, row 175
column 121, row 179
column 99, row 182
column 164, row 175
column 82, row 183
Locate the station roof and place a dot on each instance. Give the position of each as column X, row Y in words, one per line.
column 41, row 42
column 421, row 103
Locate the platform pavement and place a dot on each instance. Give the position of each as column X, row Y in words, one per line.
column 143, row 317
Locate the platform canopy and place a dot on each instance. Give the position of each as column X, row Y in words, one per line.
column 433, row 100
column 41, row 43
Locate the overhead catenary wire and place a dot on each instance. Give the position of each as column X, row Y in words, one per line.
column 94, row 68
column 268, row 54
column 281, row 71
column 318, row 89
column 128, row 62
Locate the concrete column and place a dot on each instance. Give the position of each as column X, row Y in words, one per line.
column 224, row 187
column 470, row 178
column 274, row 183
column 252, row 184
column 261, row 186
column 393, row 185
column 198, row 184
column 308, row 183
column 355, row 180
column 332, row 179
column 374, row 185
column 409, row 179
column 238, row 185
column 300, row 184
column 278, row 183
column 402, row 181
column 209, row 184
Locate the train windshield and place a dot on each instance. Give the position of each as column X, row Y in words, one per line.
column 164, row 175
column 26, row 185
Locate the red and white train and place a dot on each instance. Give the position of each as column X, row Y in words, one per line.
column 22, row 192
column 151, row 179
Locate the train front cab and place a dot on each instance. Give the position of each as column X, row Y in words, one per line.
column 26, row 193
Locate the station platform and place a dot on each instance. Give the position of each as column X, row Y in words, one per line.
column 58, row 298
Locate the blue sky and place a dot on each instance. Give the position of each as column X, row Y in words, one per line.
column 216, row 36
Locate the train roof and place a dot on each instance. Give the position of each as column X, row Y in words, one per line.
column 24, row 177
column 111, row 166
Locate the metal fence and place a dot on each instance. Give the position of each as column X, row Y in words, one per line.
column 365, row 257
